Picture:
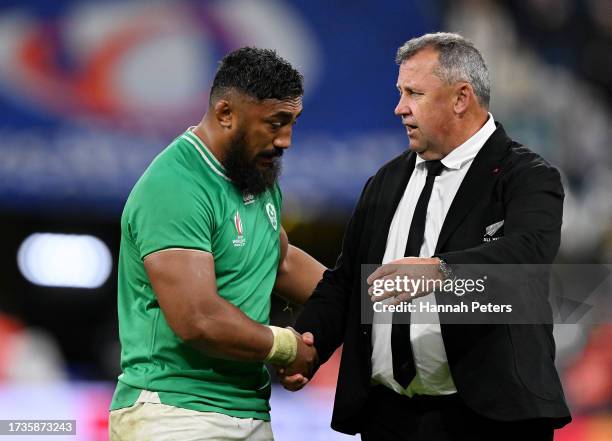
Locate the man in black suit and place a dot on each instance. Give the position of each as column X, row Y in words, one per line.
column 464, row 193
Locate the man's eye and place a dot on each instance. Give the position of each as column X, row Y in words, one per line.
column 276, row 125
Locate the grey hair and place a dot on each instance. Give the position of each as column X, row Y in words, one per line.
column 458, row 58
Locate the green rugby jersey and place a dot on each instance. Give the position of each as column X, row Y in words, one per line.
column 184, row 200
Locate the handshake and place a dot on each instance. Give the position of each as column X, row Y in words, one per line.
column 295, row 375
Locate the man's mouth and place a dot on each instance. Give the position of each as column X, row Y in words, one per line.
column 270, row 156
column 268, row 159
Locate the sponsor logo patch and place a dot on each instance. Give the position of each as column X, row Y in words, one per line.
column 240, row 241
column 491, row 230
column 272, row 215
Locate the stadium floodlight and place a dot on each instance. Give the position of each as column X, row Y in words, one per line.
column 64, row 260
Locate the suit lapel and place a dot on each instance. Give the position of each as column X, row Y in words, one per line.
column 391, row 190
column 481, row 175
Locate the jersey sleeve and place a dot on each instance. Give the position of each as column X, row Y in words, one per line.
column 170, row 213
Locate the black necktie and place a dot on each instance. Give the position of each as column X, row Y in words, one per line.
column 401, row 348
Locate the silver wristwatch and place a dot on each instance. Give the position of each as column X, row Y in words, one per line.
column 445, row 270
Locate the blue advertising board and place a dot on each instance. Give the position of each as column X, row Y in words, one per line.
column 91, row 91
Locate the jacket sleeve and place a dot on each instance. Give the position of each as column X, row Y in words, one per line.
column 325, row 313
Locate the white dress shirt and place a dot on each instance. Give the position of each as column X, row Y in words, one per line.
column 433, row 376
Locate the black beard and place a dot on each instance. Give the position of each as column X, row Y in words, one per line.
column 244, row 173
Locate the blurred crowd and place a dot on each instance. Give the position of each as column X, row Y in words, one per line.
column 548, row 64
column 552, row 87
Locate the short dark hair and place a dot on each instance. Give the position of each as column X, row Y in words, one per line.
column 259, row 73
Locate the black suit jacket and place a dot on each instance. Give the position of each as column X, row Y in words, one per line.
column 503, row 372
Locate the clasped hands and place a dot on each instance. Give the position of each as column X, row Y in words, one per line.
column 296, row 375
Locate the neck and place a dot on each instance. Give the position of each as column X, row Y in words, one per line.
column 466, row 126
column 211, row 138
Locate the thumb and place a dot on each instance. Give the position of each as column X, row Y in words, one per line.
column 308, row 338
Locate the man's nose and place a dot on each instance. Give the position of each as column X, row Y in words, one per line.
column 283, row 140
column 402, row 107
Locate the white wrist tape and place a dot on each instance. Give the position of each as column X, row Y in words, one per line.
column 284, row 347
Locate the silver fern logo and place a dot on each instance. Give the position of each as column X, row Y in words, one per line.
column 492, row 229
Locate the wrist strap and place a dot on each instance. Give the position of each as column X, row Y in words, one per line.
column 284, row 347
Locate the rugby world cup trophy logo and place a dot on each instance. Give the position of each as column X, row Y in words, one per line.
column 240, row 241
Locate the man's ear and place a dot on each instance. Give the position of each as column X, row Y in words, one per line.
column 224, row 113
column 464, row 95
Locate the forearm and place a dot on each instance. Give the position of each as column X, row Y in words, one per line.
column 325, row 313
column 185, row 285
column 298, row 276
column 224, row 331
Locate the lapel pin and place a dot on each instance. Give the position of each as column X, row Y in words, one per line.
column 496, row 171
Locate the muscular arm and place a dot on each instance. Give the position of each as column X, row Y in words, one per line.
column 185, row 285
column 298, row 272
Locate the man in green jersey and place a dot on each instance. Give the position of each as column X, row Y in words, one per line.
column 202, row 248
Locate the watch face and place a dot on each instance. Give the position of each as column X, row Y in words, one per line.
column 445, row 269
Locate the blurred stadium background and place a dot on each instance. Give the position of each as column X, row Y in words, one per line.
column 91, row 91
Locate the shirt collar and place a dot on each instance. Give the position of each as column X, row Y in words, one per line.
column 467, row 151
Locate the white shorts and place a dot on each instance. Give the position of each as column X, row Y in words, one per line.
column 147, row 421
